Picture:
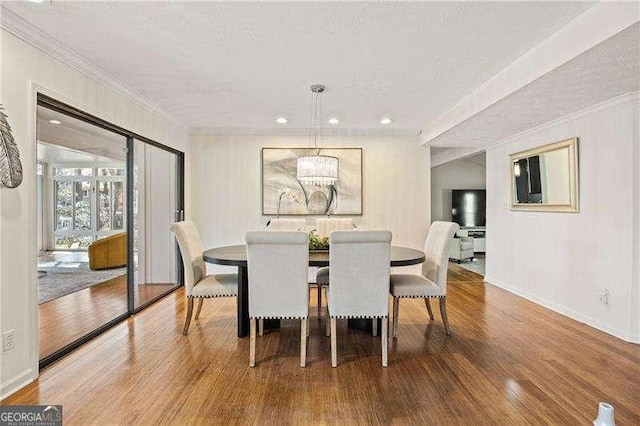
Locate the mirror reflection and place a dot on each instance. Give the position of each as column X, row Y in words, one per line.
column 545, row 176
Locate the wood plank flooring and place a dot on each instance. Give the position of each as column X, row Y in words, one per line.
column 509, row 361
column 65, row 319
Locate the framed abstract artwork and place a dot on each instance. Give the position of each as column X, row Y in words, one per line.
column 283, row 193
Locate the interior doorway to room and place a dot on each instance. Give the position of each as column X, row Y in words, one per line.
column 105, row 200
column 458, row 194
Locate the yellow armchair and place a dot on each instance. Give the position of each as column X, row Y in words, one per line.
column 110, row 252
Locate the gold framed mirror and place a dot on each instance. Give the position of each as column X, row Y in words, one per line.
column 545, row 178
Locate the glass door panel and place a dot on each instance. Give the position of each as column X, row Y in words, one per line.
column 83, row 202
column 155, row 202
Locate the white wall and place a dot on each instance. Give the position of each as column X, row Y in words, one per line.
column 226, row 178
column 563, row 260
column 458, row 174
column 23, row 69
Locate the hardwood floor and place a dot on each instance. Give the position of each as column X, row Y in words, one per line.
column 509, row 361
column 66, row 319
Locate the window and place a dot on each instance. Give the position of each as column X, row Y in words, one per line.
column 89, row 204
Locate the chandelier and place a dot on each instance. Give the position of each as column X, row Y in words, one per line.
column 317, row 169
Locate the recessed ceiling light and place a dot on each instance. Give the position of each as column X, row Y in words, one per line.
column 333, row 120
column 36, row 1
column 55, row 122
column 281, row 120
column 386, row 120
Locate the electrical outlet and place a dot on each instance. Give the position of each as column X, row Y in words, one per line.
column 604, row 296
column 8, row 340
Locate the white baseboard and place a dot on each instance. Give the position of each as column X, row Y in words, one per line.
column 18, row 382
column 564, row 311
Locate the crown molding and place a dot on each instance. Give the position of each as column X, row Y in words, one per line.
column 29, row 33
column 622, row 99
column 326, row 132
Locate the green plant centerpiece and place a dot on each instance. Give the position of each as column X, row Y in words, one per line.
column 317, row 242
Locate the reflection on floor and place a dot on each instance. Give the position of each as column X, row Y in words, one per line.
column 67, row 318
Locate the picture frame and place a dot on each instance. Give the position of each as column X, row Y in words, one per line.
column 284, row 194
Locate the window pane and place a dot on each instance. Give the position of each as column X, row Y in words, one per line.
column 110, row 206
column 73, row 242
column 64, row 171
column 83, row 205
column 85, row 172
column 64, row 208
column 110, row 172
column 39, row 169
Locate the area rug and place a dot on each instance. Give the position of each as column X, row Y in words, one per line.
column 57, row 279
column 476, row 265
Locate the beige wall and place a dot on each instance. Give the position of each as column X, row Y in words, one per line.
column 564, row 260
column 23, row 70
column 226, row 180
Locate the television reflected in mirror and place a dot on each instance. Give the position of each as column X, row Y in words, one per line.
column 468, row 207
column 545, row 178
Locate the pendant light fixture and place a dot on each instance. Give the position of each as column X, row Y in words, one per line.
column 321, row 170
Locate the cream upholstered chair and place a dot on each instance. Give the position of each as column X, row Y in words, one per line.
column 324, row 226
column 277, row 262
column 287, row 225
column 360, row 268
column 196, row 281
column 461, row 248
column 432, row 283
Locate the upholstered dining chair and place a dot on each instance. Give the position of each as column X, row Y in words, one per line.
column 199, row 285
column 287, row 225
column 277, row 262
column 360, row 268
column 432, row 282
column 324, row 227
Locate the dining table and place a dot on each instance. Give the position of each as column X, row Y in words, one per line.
column 236, row 255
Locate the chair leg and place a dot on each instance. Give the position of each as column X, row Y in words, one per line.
column 328, row 326
column 396, row 305
column 187, row 320
column 334, row 344
column 428, row 303
column 384, row 341
column 307, row 321
column 252, row 342
column 303, row 341
column 260, row 326
column 443, row 314
column 374, row 326
column 200, row 303
column 319, row 301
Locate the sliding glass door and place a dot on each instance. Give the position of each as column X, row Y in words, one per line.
column 156, row 200
column 82, row 259
column 106, row 200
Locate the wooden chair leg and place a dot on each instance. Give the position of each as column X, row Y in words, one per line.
column 328, row 326
column 260, row 326
column 303, row 341
column 396, row 306
column 334, row 344
column 252, row 342
column 200, row 303
column 384, row 341
column 428, row 303
column 443, row 314
column 374, row 326
column 187, row 320
column 319, row 301
column 307, row 321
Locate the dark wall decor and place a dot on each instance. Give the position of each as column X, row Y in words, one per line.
column 10, row 166
column 283, row 193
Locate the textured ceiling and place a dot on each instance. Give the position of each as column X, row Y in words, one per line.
column 605, row 71
column 240, row 65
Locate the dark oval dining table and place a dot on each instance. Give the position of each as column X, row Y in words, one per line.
column 237, row 256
